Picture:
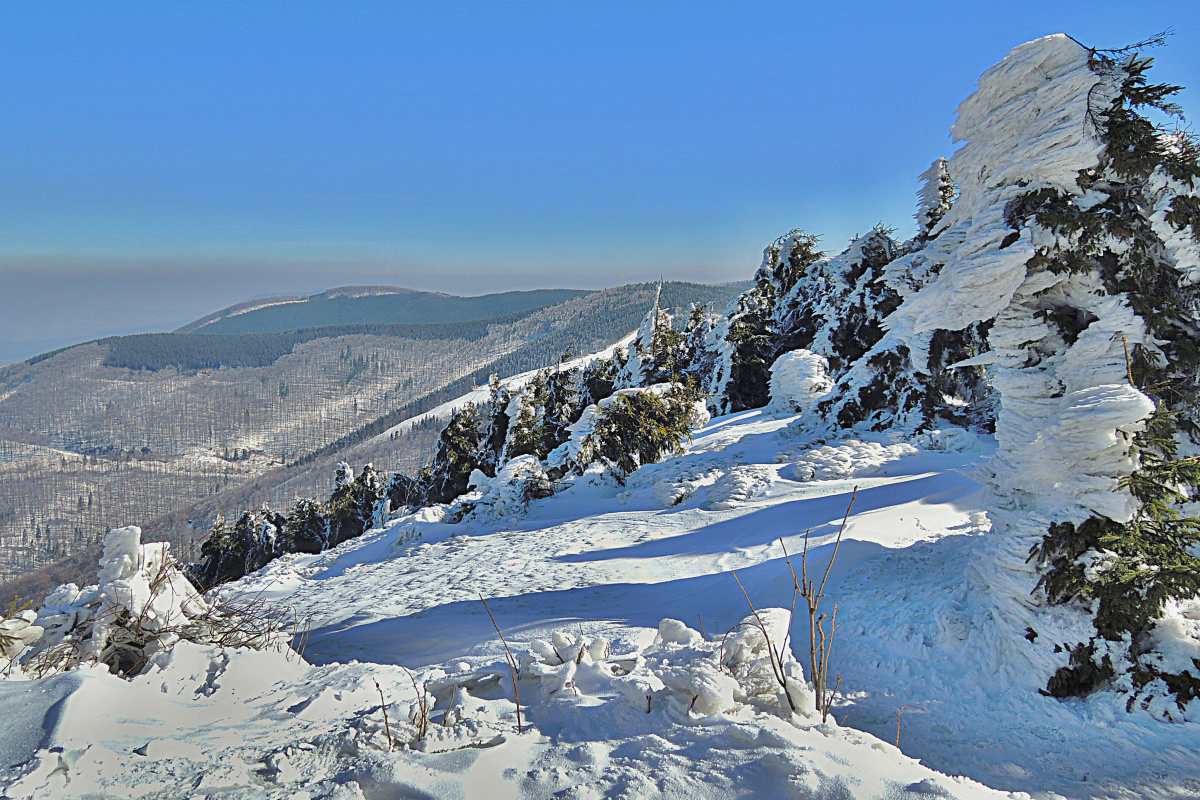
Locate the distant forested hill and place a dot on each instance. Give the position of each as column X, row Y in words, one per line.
column 412, row 308
column 168, row 431
column 191, row 351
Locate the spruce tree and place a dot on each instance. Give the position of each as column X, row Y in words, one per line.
column 448, row 474
column 936, row 196
column 753, row 336
column 356, row 504
column 305, row 530
column 495, row 429
column 1106, row 288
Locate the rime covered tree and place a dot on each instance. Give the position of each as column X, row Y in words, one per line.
column 936, row 196
column 356, row 504
column 1075, row 239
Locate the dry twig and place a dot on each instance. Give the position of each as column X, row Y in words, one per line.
column 383, row 705
column 512, row 662
column 820, row 641
column 898, row 714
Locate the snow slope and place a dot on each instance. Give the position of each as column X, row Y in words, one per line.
column 636, row 656
column 922, row 619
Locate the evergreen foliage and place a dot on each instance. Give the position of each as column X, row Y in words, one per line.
column 306, row 530
column 599, row 378
column 560, row 410
column 936, row 196
column 448, row 474
column 495, row 423
column 755, row 334
column 636, row 428
column 232, row 551
column 355, row 505
column 1125, row 572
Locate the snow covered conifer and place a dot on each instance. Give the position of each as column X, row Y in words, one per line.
column 1073, row 238
column 634, row 427
column 525, row 430
column 448, row 474
column 306, row 530
column 229, row 552
column 599, row 378
column 561, row 408
column 657, row 353
column 936, row 196
column 495, row 429
column 750, row 335
column 541, row 414
column 356, row 505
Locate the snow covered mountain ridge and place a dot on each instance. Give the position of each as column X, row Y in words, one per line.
column 1039, row 330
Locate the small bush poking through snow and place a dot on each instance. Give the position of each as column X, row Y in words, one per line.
column 141, row 607
column 633, row 427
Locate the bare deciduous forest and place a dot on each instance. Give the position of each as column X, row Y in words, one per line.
column 86, row 447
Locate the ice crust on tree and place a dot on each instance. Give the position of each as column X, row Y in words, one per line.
column 1063, row 425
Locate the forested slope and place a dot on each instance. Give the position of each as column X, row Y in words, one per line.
column 86, row 444
column 344, row 307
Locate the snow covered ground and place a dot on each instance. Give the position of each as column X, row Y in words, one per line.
column 614, row 706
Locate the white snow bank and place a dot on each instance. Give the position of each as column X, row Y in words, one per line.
column 849, row 459
column 737, row 486
column 798, row 380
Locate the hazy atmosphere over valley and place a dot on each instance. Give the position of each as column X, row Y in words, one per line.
column 419, row 400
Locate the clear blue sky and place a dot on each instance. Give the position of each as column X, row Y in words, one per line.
column 161, row 160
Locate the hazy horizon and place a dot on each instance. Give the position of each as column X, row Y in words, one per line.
column 48, row 308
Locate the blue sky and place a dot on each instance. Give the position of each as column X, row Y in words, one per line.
column 158, row 161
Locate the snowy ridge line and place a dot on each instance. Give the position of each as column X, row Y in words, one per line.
column 480, row 395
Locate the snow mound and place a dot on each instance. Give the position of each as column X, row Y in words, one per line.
column 845, row 460
column 737, row 486
column 674, row 490
column 742, row 673
column 798, row 380
column 520, row 481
